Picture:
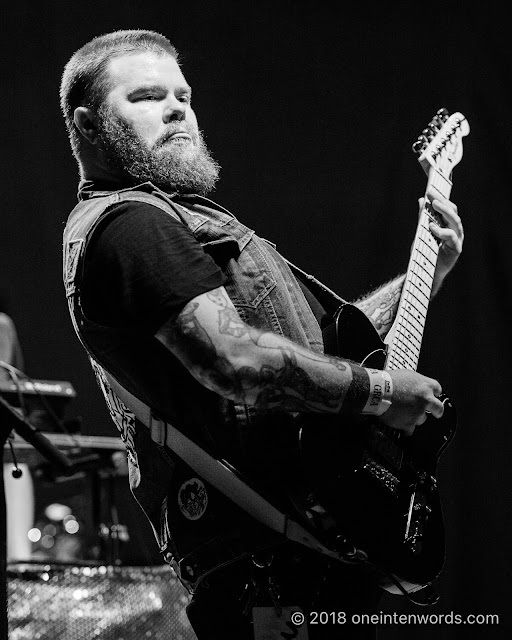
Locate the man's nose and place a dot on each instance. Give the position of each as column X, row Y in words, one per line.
column 174, row 110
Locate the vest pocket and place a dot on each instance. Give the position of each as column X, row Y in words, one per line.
column 251, row 278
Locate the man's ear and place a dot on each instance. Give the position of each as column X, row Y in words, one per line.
column 85, row 122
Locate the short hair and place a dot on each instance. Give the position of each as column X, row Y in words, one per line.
column 85, row 81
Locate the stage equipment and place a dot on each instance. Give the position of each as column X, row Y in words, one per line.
column 42, row 402
column 84, row 599
column 65, row 602
column 47, row 388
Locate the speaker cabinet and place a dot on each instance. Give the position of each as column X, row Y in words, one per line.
column 68, row 602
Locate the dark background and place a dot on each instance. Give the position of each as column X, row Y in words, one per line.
column 311, row 111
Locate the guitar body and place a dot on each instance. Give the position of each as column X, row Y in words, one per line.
column 378, row 485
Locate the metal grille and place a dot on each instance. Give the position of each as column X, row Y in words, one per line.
column 62, row 602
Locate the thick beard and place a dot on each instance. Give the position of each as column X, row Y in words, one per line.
column 176, row 167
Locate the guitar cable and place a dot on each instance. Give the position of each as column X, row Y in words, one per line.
column 357, row 557
column 431, row 599
column 432, row 596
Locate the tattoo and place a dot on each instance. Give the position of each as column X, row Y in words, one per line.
column 341, row 365
column 289, row 377
column 381, row 305
column 200, row 348
column 288, row 387
column 230, row 323
column 218, row 297
column 229, row 320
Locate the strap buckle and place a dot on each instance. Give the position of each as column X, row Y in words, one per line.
column 158, row 430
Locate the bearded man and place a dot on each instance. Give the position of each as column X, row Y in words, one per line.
column 194, row 323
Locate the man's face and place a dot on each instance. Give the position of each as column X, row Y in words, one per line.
column 147, row 128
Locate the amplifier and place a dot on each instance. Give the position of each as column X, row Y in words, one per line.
column 69, row 602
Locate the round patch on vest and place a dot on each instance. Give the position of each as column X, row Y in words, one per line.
column 192, row 499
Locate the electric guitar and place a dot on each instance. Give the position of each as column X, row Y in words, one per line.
column 378, row 485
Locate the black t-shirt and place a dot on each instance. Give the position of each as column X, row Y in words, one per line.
column 141, row 268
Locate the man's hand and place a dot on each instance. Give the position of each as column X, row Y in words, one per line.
column 451, row 236
column 413, row 396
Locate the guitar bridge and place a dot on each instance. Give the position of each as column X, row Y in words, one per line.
column 383, row 476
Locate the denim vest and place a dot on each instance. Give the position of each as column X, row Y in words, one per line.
column 197, row 529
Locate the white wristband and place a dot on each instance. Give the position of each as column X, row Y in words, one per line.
column 381, row 392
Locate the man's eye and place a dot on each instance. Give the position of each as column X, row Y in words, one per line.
column 143, row 97
column 185, row 99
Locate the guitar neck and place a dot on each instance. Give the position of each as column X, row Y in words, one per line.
column 405, row 337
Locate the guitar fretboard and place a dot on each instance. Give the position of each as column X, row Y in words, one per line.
column 404, row 347
column 405, row 337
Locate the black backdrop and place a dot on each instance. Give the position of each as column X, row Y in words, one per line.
column 311, row 111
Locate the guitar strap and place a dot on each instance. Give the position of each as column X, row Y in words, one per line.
column 220, row 475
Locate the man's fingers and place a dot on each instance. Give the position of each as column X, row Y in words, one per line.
column 447, row 209
column 436, row 408
column 443, row 203
column 421, row 203
column 421, row 420
column 448, row 237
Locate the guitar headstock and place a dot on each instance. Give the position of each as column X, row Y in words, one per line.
column 440, row 144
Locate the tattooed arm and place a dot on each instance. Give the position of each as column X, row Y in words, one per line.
column 381, row 305
column 264, row 369
column 251, row 366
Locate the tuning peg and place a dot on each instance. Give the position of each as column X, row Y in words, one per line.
column 443, row 114
column 428, row 133
column 420, row 144
column 436, row 123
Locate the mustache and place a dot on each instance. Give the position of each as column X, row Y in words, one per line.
column 179, row 127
